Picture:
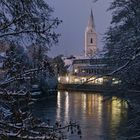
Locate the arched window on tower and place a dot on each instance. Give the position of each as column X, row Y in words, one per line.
column 91, row 40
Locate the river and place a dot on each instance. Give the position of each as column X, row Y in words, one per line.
column 99, row 119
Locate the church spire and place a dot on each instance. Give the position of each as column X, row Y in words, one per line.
column 90, row 38
column 91, row 21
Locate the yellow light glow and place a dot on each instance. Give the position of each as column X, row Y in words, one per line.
column 67, row 79
column 66, row 106
column 99, row 81
column 76, row 70
column 83, row 80
column 76, row 80
column 59, row 79
column 58, row 105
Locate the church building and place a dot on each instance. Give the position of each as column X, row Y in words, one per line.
column 90, row 38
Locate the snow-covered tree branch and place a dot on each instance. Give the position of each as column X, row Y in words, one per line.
column 30, row 21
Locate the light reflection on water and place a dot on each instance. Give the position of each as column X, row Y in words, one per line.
column 99, row 120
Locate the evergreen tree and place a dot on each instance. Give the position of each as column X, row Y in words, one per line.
column 59, row 65
column 16, row 60
column 123, row 39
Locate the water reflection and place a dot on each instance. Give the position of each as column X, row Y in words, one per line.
column 58, row 105
column 99, row 119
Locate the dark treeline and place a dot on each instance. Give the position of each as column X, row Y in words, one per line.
column 122, row 41
column 122, row 44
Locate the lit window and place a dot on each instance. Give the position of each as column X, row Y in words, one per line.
column 76, row 70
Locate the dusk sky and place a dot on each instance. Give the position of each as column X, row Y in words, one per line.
column 75, row 15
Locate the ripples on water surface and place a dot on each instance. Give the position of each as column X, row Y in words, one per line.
column 99, row 120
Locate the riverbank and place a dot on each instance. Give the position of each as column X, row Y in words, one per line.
column 131, row 96
column 89, row 87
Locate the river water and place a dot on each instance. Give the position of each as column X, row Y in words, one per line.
column 99, row 119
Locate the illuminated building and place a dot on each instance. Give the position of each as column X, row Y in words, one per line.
column 91, row 68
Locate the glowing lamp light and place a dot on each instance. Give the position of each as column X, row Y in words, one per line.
column 67, row 79
column 59, row 79
column 100, row 80
column 76, row 70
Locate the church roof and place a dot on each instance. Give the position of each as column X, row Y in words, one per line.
column 91, row 21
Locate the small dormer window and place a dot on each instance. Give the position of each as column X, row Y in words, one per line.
column 91, row 40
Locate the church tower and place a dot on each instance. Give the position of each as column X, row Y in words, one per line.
column 90, row 38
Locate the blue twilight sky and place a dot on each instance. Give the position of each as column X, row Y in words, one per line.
column 75, row 15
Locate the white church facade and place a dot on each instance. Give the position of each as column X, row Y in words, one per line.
column 90, row 38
